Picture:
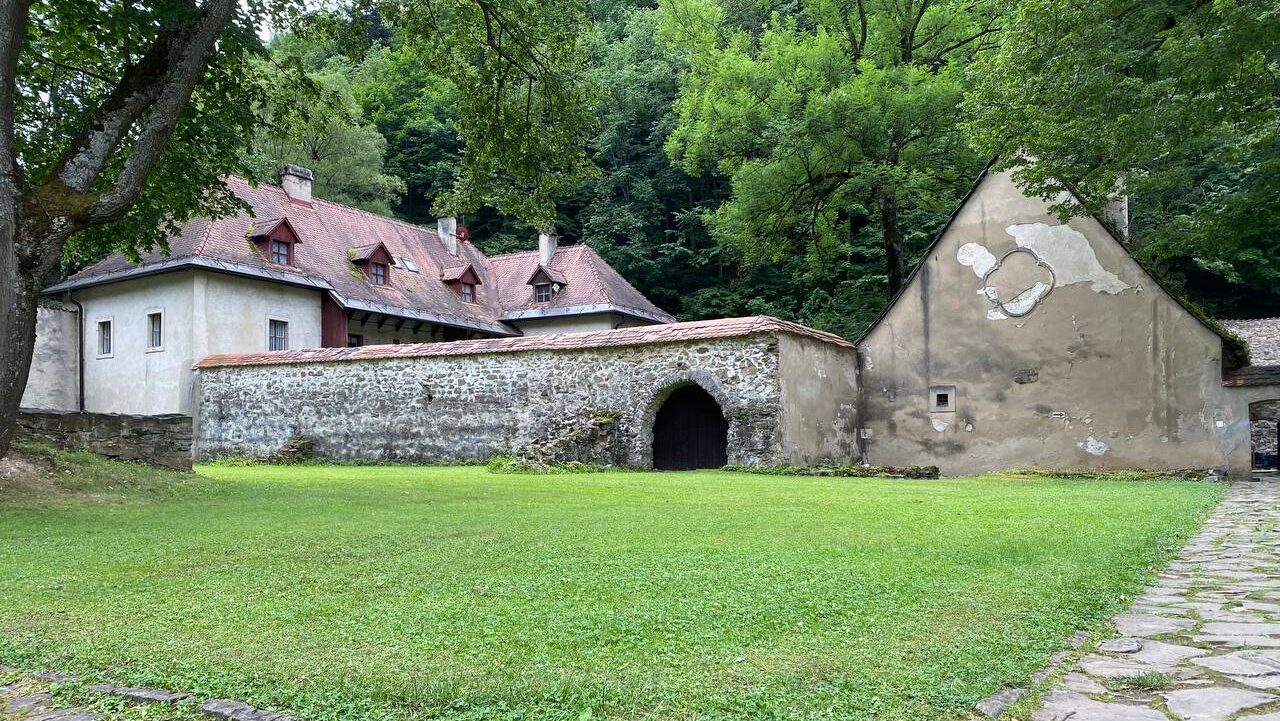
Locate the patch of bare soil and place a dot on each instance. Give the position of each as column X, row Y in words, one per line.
column 24, row 473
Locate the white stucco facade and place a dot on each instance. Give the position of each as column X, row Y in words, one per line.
column 200, row 313
column 583, row 323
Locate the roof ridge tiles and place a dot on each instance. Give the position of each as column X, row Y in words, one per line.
column 644, row 335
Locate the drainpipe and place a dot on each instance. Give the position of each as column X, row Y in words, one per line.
column 79, row 349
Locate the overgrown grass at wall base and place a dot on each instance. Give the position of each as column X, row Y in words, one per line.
column 383, row 593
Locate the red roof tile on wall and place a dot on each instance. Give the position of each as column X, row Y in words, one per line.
column 669, row 333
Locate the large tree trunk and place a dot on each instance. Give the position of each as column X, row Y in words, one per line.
column 891, row 238
column 20, row 266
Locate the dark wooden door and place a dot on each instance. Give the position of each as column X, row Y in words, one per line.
column 690, row 432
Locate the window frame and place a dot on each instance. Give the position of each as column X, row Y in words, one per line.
column 271, row 325
column 359, row 340
column 940, row 390
column 110, row 350
column 151, row 331
column 271, row 251
column 467, row 289
column 539, row 289
column 379, row 273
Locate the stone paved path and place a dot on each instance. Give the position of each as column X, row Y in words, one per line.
column 1203, row 642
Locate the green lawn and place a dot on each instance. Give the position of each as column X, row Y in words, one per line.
column 386, row 592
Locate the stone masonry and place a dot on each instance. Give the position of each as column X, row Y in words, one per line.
column 1203, row 642
column 163, row 440
column 788, row 394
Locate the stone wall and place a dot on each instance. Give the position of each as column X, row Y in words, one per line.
column 447, row 408
column 158, row 440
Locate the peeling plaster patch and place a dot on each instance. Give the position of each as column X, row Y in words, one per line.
column 939, row 425
column 1068, row 252
column 977, row 257
column 1021, row 304
column 1093, row 446
column 968, row 427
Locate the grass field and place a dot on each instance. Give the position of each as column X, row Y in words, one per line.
column 391, row 592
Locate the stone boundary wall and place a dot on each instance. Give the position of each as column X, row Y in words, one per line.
column 159, row 440
column 449, row 408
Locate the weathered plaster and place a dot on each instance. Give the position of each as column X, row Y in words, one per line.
column 1104, row 371
column 54, row 381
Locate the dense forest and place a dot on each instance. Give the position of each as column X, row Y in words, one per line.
column 794, row 157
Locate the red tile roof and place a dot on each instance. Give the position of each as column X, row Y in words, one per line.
column 669, row 333
column 329, row 230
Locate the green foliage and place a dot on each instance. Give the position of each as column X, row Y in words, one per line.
column 831, row 122
column 507, row 463
column 1174, row 102
column 320, row 126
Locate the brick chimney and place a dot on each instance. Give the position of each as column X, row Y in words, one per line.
column 547, row 244
column 447, row 228
column 296, row 181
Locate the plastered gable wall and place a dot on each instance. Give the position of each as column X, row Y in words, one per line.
column 53, row 383
column 1105, row 370
column 819, row 401
column 470, row 407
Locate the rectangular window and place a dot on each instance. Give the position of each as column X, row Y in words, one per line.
column 104, row 337
column 469, row 292
column 354, row 340
column 542, row 292
column 378, row 273
column 277, row 335
column 942, row 399
column 280, row 252
column 155, row 331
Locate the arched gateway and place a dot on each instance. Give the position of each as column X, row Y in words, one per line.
column 690, row 431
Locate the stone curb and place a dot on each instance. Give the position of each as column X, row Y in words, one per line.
column 17, row 698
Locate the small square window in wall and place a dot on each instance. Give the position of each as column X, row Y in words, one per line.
column 105, row 339
column 155, row 331
column 354, row 340
column 942, row 399
column 277, row 335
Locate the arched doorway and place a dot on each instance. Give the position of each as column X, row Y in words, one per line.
column 689, row 431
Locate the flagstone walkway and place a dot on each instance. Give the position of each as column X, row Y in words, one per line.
column 1203, row 642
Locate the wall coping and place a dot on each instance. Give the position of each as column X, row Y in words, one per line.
column 645, row 335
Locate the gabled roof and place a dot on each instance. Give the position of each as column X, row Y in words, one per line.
column 665, row 333
column 264, row 228
column 458, row 272
column 329, row 230
column 543, row 274
column 370, row 251
column 590, row 286
column 1235, row 352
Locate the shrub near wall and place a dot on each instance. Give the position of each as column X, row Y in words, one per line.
column 159, row 440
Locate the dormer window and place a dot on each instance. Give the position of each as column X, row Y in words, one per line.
column 462, row 279
column 275, row 240
column 547, row 283
column 281, row 252
column 374, row 262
